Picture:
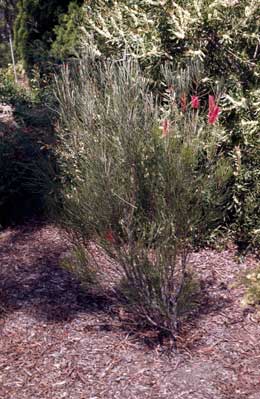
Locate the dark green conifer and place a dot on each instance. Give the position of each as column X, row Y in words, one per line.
column 36, row 28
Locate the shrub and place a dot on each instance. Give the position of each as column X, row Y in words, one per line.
column 76, row 263
column 10, row 92
column 135, row 185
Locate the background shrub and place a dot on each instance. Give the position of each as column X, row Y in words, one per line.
column 35, row 30
column 10, row 92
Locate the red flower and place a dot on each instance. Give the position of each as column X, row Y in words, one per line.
column 27, row 129
column 183, row 103
column 213, row 116
column 195, row 102
column 214, row 111
column 165, row 127
column 110, row 237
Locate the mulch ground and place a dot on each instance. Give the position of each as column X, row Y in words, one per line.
column 58, row 341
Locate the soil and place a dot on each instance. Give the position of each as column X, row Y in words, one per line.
column 59, row 341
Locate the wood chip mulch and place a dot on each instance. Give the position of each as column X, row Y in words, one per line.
column 58, row 341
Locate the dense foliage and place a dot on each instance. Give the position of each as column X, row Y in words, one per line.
column 224, row 34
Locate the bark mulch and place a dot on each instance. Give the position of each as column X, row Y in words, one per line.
column 58, row 341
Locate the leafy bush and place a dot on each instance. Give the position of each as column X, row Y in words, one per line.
column 136, row 188
column 10, row 92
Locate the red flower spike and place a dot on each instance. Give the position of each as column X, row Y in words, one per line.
column 212, row 103
column 195, row 102
column 165, row 127
column 183, row 103
column 27, row 129
column 214, row 111
column 213, row 116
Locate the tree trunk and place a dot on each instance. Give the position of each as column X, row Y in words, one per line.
column 12, row 53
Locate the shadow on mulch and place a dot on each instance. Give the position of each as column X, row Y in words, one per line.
column 54, row 295
column 18, row 236
column 37, row 283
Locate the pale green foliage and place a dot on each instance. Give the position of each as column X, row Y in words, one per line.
column 166, row 29
column 252, row 283
column 140, row 196
column 81, row 265
column 121, row 24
